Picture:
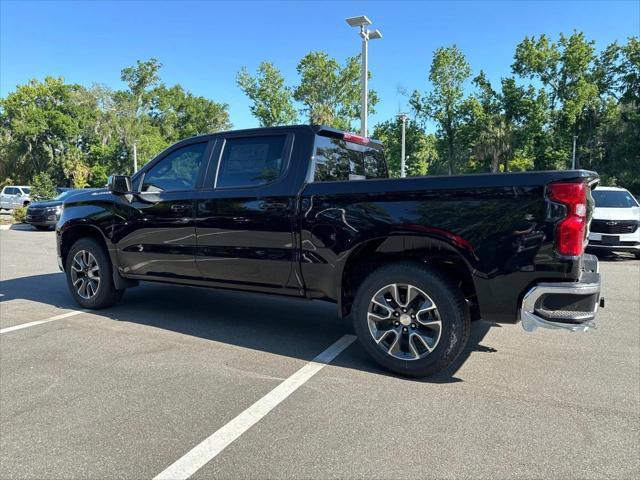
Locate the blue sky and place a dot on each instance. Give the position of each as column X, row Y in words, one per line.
column 203, row 44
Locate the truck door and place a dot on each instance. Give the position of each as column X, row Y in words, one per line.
column 155, row 232
column 245, row 213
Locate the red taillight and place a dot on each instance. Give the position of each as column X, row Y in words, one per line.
column 570, row 231
column 350, row 137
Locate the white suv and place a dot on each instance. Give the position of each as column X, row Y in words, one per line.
column 14, row 196
column 616, row 221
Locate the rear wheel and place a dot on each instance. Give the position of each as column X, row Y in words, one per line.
column 411, row 319
column 89, row 275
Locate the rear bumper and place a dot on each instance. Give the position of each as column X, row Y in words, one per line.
column 564, row 305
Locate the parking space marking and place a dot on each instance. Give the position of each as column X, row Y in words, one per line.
column 40, row 322
column 209, row 448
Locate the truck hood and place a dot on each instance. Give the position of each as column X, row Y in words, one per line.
column 45, row 204
column 601, row 213
column 87, row 194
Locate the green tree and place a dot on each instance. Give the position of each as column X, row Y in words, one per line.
column 330, row 92
column 272, row 102
column 421, row 153
column 40, row 122
column 487, row 129
column 180, row 114
column 132, row 110
column 42, row 187
column 444, row 103
column 566, row 70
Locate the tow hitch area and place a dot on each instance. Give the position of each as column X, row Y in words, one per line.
column 565, row 305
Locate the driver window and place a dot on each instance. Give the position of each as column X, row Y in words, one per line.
column 177, row 171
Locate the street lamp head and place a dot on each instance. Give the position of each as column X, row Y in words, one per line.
column 375, row 34
column 361, row 21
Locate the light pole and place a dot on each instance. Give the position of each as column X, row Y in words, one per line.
column 403, row 117
column 573, row 162
column 366, row 35
column 135, row 157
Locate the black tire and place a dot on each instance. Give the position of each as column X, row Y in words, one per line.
column 42, row 228
column 106, row 293
column 451, row 309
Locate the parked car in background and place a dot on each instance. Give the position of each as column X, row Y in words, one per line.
column 14, row 196
column 44, row 215
column 616, row 221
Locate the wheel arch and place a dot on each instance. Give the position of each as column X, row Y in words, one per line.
column 72, row 234
column 372, row 254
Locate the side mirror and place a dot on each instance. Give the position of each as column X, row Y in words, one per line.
column 119, row 184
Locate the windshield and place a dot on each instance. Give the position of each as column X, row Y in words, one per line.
column 64, row 195
column 614, row 199
column 26, row 190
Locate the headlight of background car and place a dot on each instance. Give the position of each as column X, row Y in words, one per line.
column 54, row 211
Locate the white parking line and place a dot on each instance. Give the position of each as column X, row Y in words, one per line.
column 208, row 449
column 40, row 322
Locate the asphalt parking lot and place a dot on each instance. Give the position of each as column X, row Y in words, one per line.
column 128, row 391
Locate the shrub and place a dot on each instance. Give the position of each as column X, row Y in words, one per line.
column 42, row 187
column 19, row 214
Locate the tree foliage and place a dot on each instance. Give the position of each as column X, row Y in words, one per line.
column 420, row 148
column 77, row 135
column 42, row 187
column 272, row 102
column 444, row 103
column 330, row 92
column 557, row 90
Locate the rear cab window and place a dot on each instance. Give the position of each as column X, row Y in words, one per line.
column 336, row 159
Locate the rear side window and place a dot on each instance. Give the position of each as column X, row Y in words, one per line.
column 338, row 160
column 251, row 161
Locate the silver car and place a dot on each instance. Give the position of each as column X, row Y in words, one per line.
column 14, row 196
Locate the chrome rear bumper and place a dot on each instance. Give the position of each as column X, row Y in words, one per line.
column 564, row 305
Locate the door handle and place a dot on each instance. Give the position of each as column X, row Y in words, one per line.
column 178, row 207
column 272, row 205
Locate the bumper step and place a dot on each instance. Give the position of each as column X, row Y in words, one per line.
column 564, row 305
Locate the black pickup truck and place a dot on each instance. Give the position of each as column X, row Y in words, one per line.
column 309, row 211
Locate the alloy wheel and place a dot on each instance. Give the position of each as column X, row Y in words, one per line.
column 404, row 321
column 85, row 274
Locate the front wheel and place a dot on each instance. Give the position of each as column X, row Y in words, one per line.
column 89, row 277
column 411, row 319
